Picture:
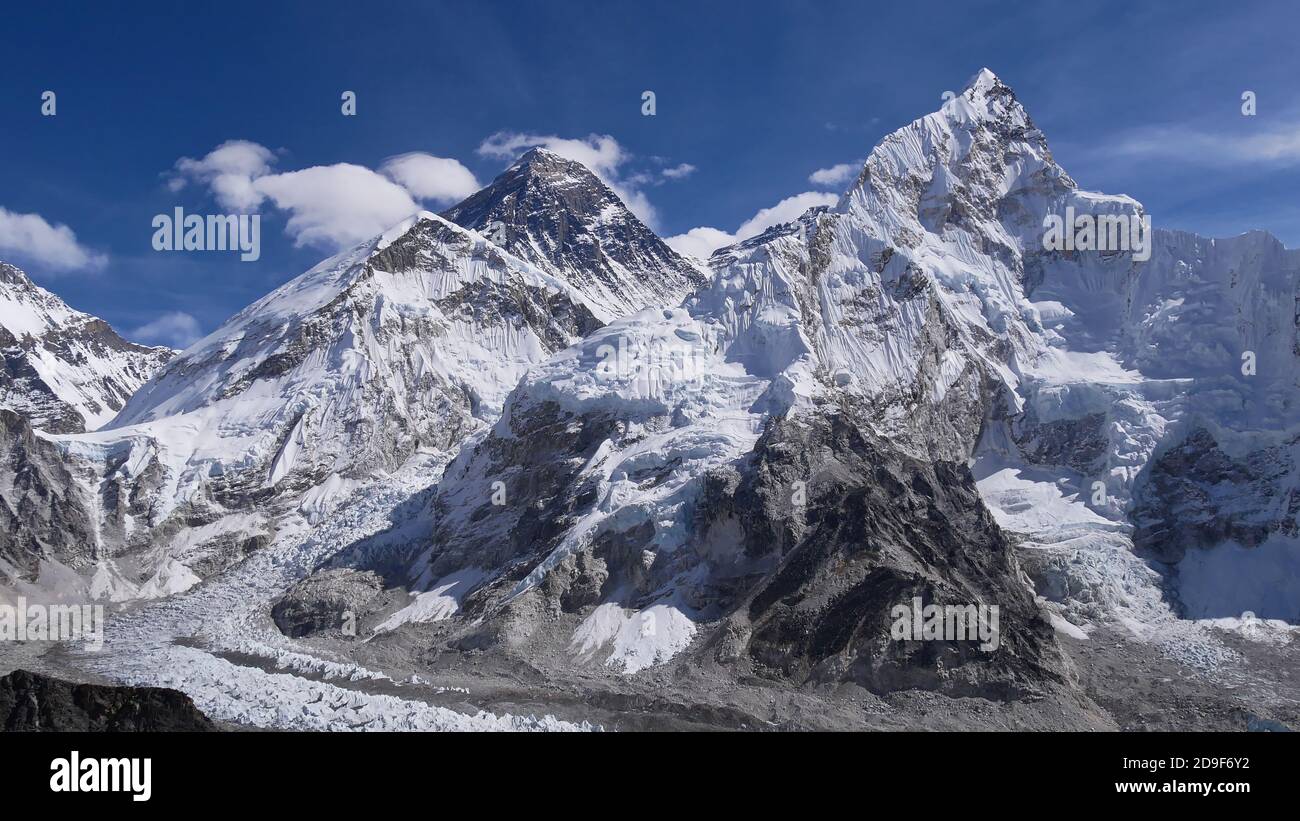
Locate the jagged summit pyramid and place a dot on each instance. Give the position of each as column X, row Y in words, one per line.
column 558, row 215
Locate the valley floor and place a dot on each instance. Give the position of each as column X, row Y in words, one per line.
column 217, row 643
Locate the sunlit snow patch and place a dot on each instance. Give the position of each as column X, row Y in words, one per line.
column 441, row 602
column 640, row 638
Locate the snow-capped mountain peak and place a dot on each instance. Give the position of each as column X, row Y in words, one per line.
column 418, row 333
column 558, row 215
column 64, row 370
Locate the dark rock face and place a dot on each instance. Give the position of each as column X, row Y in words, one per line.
column 30, row 702
column 802, row 592
column 541, row 466
column 41, row 512
column 1079, row 443
column 559, row 216
column 325, row 601
column 50, row 500
column 375, row 424
column 22, row 386
column 555, row 318
column 1197, row 496
column 47, row 511
column 877, row 529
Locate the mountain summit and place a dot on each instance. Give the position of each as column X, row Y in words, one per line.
column 558, row 215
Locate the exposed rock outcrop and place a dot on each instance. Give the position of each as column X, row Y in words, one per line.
column 30, row 702
column 330, row 600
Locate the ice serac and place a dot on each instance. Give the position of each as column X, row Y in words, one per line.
column 399, row 347
column 558, row 215
column 63, row 370
column 755, row 478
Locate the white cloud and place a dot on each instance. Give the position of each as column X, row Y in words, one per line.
column 176, row 329
column 337, row 205
column 703, row 241
column 787, row 210
column 700, row 242
column 332, row 206
column 639, row 204
column 835, row 175
column 228, row 170
column 601, row 153
column 427, row 177
column 679, row 172
column 53, row 246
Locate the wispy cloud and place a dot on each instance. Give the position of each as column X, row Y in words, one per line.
column 1266, row 145
column 599, row 152
column 679, row 172
column 867, row 125
column 335, row 206
column 176, row 329
column 837, row 174
column 53, row 246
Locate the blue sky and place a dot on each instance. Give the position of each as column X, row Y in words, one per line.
column 752, row 99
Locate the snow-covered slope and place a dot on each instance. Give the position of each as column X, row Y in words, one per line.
column 556, row 214
column 716, row 465
column 406, row 343
column 427, row 303
column 63, row 370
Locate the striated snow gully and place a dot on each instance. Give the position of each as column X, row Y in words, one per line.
column 503, row 442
